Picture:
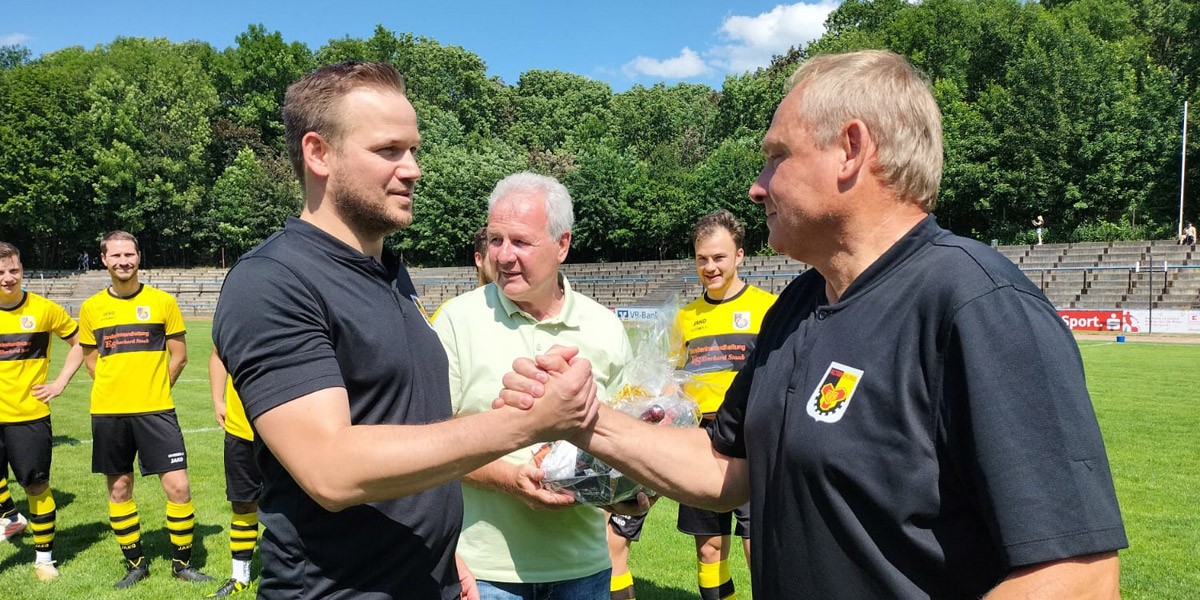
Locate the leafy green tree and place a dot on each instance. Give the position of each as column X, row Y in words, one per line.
column 46, row 158
column 679, row 117
column 1067, row 108
column 150, row 118
column 449, row 77
column 725, row 178
column 451, row 201
column 1171, row 27
column 13, row 56
column 250, row 200
column 747, row 104
column 552, row 107
column 601, row 185
column 252, row 77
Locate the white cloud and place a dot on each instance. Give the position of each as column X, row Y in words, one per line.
column 749, row 43
column 687, row 64
column 13, row 39
column 754, row 40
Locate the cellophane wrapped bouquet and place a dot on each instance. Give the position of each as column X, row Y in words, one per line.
column 653, row 392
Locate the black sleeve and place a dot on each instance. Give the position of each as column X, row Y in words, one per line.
column 782, row 319
column 727, row 429
column 271, row 332
column 1022, row 433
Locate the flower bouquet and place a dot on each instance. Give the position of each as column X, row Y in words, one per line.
column 653, row 393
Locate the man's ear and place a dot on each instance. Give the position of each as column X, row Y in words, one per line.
column 316, row 152
column 857, row 147
column 564, row 245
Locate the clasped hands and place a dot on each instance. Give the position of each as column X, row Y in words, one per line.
column 557, row 391
column 559, row 383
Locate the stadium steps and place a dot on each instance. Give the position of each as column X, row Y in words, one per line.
column 1101, row 276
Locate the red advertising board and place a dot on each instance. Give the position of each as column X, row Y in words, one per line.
column 1099, row 320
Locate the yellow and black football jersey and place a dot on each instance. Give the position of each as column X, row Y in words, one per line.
column 25, row 354
column 236, row 423
column 130, row 335
column 717, row 338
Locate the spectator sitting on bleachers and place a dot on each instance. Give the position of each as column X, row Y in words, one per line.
column 1188, row 237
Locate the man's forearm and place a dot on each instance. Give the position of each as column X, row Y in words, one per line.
column 368, row 463
column 496, row 475
column 175, row 367
column 341, row 465
column 176, row 357
column 216, row 381
column 70, row 366
column 676, row 462
column 1094, row 577
column 89, row 360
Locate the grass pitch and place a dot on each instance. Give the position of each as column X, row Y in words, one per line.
column 1145, row 395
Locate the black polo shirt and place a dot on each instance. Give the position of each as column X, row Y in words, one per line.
column 920, row 438
column 304, row 312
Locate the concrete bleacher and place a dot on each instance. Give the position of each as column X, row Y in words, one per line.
column 1100, row 275
column 1103, row 275
column 196, row 290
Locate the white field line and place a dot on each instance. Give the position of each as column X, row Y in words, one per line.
column 1135, row 343
column 1097, row 345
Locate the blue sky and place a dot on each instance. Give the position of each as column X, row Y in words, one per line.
column 622, row 42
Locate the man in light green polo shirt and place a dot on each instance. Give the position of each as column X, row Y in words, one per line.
column 518, row 539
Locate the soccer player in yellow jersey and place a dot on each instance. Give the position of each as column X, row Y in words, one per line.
column 718, row 330
column 133, row 345
column 26, row 322
column 243, row 480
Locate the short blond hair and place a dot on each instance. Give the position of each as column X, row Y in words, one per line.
column 884, row 91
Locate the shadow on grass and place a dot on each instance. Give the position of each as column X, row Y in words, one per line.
column 64, row 440
column 157, row 542
column 69, row 542
column 61, row 500
column 648, row 590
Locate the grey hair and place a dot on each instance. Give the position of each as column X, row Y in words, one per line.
column 893, row 99
column 560, row 213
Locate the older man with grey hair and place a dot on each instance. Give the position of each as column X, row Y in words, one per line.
column 913, row 421
column 522, row 541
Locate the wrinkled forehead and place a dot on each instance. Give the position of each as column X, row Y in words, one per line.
column 786, row 122
column 521, row 208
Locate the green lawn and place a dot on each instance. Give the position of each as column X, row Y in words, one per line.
column 1145, row 397
column 1149, row 412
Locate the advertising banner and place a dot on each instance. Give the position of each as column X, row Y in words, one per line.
column 1100, row 320
column 636, row 313
column 1133, row 321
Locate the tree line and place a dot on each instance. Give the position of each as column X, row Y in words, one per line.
column 1070, row 109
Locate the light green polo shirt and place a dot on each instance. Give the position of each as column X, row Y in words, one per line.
column 484, row 332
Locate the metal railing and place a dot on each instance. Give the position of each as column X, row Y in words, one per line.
column 1132, row 280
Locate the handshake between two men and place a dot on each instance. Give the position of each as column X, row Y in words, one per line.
column 677, row 462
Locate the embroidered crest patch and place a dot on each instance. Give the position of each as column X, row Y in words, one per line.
column 831, row 398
